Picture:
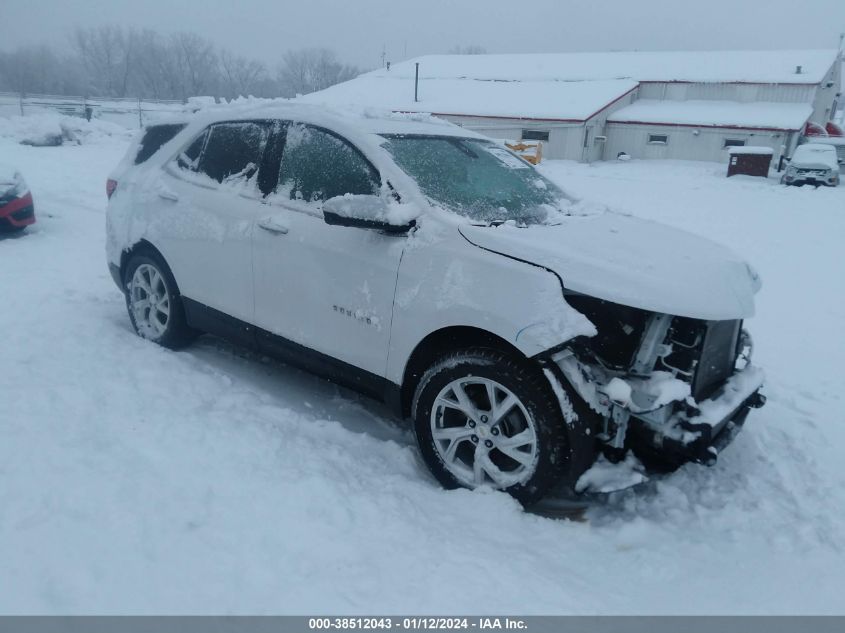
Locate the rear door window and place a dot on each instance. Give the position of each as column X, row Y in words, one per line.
column 233, row 151
column 154, row 137
column 317, row 165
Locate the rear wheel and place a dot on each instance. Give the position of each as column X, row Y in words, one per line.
column 153, row 301
column 484, row 418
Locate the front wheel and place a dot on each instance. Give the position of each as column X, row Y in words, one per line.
column 153, row 301
column 483, row 418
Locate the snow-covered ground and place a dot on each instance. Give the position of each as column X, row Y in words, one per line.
column 138, row 480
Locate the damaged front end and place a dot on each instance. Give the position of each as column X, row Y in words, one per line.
column 672, row 389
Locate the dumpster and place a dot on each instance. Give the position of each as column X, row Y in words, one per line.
column 750, row 161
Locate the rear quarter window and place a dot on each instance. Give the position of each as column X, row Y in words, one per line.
column 154, row 137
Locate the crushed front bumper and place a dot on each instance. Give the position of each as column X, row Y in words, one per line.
column 698, row 432
column 676, row 432
column 17, row 212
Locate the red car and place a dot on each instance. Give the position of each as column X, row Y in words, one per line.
column 16, row 208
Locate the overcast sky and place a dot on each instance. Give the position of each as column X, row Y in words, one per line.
column 358, row 29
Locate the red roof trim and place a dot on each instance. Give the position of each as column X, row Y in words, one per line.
column 710, row 125
column 622, row 96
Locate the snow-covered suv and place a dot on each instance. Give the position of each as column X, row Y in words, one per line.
column 429, row 267
column 814, row 164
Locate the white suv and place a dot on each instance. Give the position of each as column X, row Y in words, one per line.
column 431, row 268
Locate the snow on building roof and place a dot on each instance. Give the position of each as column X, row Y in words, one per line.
column 546, row 100
column 701, row 113
column 682, row 66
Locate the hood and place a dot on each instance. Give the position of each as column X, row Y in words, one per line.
column 7, row 175
column 812, row 164
column 632, row 262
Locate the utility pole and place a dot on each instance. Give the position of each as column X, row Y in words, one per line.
column 383, row 54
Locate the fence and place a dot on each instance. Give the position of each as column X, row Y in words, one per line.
column 131, row 113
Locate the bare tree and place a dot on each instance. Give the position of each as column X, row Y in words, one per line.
column 311, row 69
column 196, row 63
column 242, row 76
column 106, row 55
column 151, row 64
column 114, row 61
column 472, row 49
column 39, row 69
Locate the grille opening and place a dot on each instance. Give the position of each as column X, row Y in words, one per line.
column 703, row 353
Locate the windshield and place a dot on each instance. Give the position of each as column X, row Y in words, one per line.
column 807, row 152
column 477, row 179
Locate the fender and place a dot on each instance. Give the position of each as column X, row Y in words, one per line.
column 451, row 282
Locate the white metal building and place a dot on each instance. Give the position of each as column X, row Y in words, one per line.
column 592, row 106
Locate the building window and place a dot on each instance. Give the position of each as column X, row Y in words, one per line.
column 535, row 135
column 733, row 142
column 658, row 139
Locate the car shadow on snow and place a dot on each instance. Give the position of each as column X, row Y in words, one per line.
column 298, row 390
column 16, row 235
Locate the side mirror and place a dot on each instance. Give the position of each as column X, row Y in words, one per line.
column 363, row 212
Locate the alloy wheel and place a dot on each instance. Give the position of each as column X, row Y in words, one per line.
column 149, row 301
column 484, row 434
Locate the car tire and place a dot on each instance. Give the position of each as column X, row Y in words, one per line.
column 10, row 229
column 476, row 444
column 154, row 303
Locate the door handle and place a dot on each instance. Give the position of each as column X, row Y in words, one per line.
column 168, row 195
column 273, row 226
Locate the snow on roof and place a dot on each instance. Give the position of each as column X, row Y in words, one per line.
column 695, row 66
column 750, row 149
column 547, row 100
column 754, row 115
column 364, row 120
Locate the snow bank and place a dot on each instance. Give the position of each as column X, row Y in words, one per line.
column 50, row 129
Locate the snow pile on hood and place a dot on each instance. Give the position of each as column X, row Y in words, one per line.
column 813, row 154
column 633, row 262
column 7, row 174
column 50, row 129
